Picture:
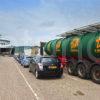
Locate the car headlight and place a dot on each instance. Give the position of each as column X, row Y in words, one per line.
column 40, row 66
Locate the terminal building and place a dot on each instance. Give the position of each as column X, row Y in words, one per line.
column 5, row 47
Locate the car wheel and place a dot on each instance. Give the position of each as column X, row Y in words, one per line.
column 95, row 74
column 37, row 74
column 59, row 76
column 25, row 66
column 81, row 70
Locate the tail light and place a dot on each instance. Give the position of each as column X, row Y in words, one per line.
column 40, row 66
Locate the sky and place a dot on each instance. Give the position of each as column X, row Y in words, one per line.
column 27, row 22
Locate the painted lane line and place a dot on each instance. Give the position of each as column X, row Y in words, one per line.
column 28, row 83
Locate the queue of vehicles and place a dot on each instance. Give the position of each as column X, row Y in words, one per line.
column 41, row 65
column 78, row 51
column 23, row 60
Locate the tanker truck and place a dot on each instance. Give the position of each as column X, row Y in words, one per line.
column 82, row 54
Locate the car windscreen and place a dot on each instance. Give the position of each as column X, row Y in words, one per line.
column 49, row 60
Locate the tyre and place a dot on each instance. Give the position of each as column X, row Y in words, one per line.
column 59, row 75
column 81, row 70
column 95, row 74
column 25, row 66
column 70, row 68
column 37, row 74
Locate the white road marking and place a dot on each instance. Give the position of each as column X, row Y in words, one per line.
column 28, row 83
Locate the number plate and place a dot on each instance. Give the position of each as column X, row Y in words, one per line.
column 52, row 67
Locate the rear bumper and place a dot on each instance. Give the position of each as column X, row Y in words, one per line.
column 51, row 73
column 25, row 64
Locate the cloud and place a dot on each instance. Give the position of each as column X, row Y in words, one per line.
column 29, row 26
column 47, row 24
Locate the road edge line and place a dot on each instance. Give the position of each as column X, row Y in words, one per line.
column 28, row 83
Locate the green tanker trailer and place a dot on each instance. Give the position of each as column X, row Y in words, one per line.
column 53, row 47
column 89, row 56
column 63, row 46
column 82, row 53
column 85, row 56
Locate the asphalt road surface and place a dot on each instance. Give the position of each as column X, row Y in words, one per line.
column 16, row 83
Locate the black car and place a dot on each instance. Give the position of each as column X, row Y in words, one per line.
column 45, row 66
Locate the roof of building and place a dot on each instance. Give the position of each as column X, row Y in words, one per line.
column 3, row 40
column 82, row 30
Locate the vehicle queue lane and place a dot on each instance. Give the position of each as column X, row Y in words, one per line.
column 15, row 86
column 12, row 84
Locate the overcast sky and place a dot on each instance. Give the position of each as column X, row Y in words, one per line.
column 27, row 22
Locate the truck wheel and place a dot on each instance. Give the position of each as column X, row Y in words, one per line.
column 95, row 74
column 81, row 71
column 70, row 68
